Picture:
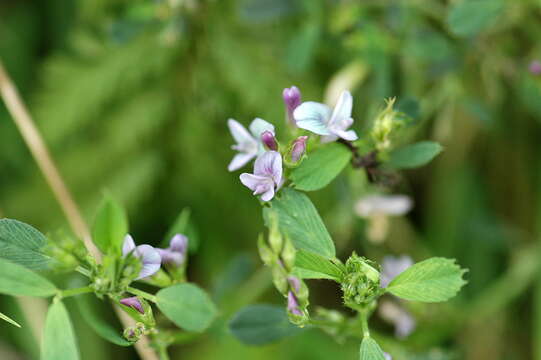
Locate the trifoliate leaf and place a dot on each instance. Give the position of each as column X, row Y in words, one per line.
column 22, row 244
column 414, row 155
column 370, row 350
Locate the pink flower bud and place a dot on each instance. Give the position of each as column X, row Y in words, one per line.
column 298, row 149
column 134, row 303
column 292, row 99
column 268, row 139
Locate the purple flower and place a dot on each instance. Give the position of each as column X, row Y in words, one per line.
column 249, row 144
column 267, row 175
column 535, row 67
column 268, row 139
column 404, row 323
column 148, row 255
column 176, row 252
column 319, row 119
column 298, row 148
column 393, row 266
column 295, row 284
column 293, row 304
column 134, row 303
column 292, row 99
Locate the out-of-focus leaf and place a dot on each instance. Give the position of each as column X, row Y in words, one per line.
column 183, row 225
column 370, row 350
column 257, row 11
column 469, row 17
column 299, row 219
column 188, row 306
column 321, row 167
column 19, row 281
column 415, row 155
column 312, row 266
column 93, row 319
column 262, row 324
column 431, row 280
column 302, row 48
column 9, row 320
column 239, row 269
column 110, row 227
column 58, row 337
column 22, row 244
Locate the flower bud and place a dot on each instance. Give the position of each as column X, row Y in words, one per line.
column 292, row 99
column 268, row 139
column 293, row 304
column 276, row 240
column 134, row 303
column 279, row 278
column 288, row 254
column 535, row 67
column 361, row 284
column 265, row 252
column 298, row 148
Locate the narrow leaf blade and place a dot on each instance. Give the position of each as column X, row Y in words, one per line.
column 9, row 320
column 313, row 266
column 110, row 227
column 19, row 281
column 58, row 338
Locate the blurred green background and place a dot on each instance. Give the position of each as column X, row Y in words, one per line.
column 132, row 96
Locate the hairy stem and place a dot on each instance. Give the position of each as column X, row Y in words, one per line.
column 74, row 292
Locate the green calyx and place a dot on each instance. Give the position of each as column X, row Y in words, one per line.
column 361, row 283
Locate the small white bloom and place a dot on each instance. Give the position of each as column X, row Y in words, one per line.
column 383, row 205
column 404, row 323
column 249, row 144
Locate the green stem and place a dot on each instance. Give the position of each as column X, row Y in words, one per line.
column 83, row 271
column 74, row 292
column 142, row 294
column 364, row 323
column 162, row 353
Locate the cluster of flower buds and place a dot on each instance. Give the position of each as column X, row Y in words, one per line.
column 68, row 252
column 361, row 284
column 385, row 124
column 279, row 255
column 134, row 333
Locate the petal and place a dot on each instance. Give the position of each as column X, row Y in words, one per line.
column 383, row 204
column 328, row 138
column 268, row 195
column 349, row 135
column 134, row 303
column 151, row 259
column 179, row 243
column 171, row 257
column 269, row 165
column 342, row 110
column 239, row 132
column 404, row 325
column 259, row 126
column 252, row 181
column 313, row 116
column 240, row 160
column 128, row 246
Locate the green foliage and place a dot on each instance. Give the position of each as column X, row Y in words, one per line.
column 187, row 306
column 22, row 244
column 312, row 266
column 431, row 280
column 298, row 219
column 261, row 325
column 19, row 281
column 370, row 350
column 469, row 17
column 9, row 320
column 321, row 167
column 58, row 337
column 182, row 225
column 415, row 155
column 110, row 227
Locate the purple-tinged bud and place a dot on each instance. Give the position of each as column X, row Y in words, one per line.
column 293, row 304
column 292, row 99
column 298, row 148
column 268, row 139
column 134, row 303
column 176, row 253
column 295, row 284
column 535, row 67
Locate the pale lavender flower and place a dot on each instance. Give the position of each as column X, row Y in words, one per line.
column 134, row 303
column 292, row 99
column 268, row 139
column 176, row 252
column 404, row 323
column 295, row 283
column 535, row 67
column 387, row 356
column 293, row 304
column 319, row 119
column 383, row 205
column 298, row 149
column 392, row 266
column 249, row 144
column 149, row 256
column 267, row 176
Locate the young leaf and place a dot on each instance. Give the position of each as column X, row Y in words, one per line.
column 19, row 281
column 22, row 244
column 370, row 350
column 414, row 155
column 431, row 280
column 182, row 225
column 467, row 18
column 261, row 325
column 58, row 337
column 9, row 320
column 312, row 266
column 321, row 167
column 110, row 227
column 188, row 306
column 87, row 309
column 298, row 219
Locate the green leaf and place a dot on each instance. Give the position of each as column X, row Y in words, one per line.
column 188, row 306
column 58, row 337
column 321, row 167
column 370, row 350
column 414, row 155
column 110, row 227
column 22, row 244
column 298, row 219
column 182, row 225
column 87, row 309
column 431, row 280
column 262, row 324
column 312, row 266
column 9, row 320
column 19, row 281
column 469, row 17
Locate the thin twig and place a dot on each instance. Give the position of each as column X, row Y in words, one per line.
column 39, row 151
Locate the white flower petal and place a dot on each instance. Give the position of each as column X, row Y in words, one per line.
column 342, row 110
column 239, row 132
column 268, row 195
column 128, row 245
column 151, row 259
column 240, row 160
column 383, row 204
column 270, row 165
column 313, row 116
column 259, row 126
column 349, row 135
column 253, row 181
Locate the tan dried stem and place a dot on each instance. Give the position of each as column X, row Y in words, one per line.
column 35, row 143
